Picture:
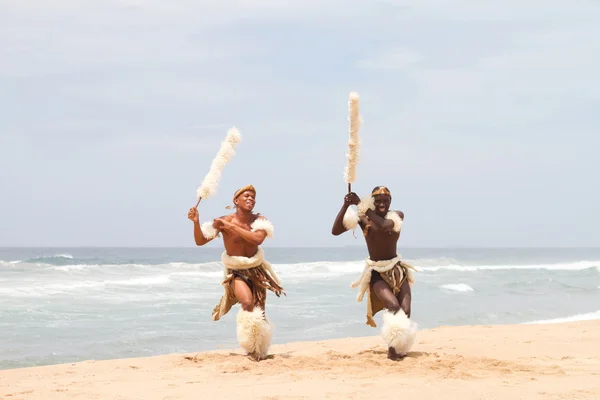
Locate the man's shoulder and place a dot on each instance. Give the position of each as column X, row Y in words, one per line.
column 257, row 216
column 400, row 213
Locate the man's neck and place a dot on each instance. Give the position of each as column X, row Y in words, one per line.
column 243, row 216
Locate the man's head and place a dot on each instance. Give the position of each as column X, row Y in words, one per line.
column 245, row 198
column 382, row 199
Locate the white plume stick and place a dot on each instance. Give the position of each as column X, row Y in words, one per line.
column 211, row 181
column 354, row 140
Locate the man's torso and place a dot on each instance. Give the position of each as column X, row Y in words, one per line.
column 235, row 245
column 380, row 244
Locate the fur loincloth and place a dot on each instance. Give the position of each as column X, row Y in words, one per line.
column 394, row 272
column 256, row 272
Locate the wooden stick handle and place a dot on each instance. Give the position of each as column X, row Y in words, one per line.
column 349, row 187
column 199, row 199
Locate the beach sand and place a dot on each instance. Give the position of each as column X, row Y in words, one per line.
column 553, row 361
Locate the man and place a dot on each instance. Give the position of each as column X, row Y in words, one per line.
column 247, row 275
column 386, row 278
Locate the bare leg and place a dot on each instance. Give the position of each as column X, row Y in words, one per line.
column 404, row 298
column 243, row 294
column 391, row 303
column 385, row 294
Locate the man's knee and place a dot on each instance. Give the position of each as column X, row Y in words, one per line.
column 392, row 306
column 247, row 304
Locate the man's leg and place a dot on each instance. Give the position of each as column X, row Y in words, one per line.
column 385, row 294
column 404, row 298
column 390, row 302
column 397, row 330
column 253, row 331
column 243, row 294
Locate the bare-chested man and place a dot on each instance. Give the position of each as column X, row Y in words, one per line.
column 247, row 275
column 386, row 279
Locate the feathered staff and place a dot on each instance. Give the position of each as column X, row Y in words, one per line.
column 211, row 181
column 354, row 140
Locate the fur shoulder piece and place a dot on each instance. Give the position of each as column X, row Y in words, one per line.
column 264, row 224
column 393, row 216
column 208, row 230
column 366, row 203
column 351, row 219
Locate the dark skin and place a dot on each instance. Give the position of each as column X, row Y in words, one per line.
column 238, row 239
column 381, row 243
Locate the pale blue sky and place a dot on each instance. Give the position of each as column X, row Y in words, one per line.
column 481, row 117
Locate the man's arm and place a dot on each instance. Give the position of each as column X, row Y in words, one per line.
column 346, row 219
column 203, row 233
column 338, row 225
column 381, row 223
column 261, row 228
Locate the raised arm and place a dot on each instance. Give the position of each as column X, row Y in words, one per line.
column 203, row 233
column 346, row 218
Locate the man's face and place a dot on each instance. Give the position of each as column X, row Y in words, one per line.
column 246, row 200
column 382, row 204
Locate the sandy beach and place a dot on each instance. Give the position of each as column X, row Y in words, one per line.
column 546, row 361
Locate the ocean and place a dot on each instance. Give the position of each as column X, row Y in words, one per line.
column 73, row 304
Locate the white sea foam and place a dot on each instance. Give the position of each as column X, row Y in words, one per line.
column 458, row 287
column 573, row 318
column 35, row 289
column 308, row 269
column 575, row 266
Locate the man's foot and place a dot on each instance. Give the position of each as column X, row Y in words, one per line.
column 392, row 355
column 254, row 356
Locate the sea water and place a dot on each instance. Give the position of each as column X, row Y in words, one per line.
column 73, row 304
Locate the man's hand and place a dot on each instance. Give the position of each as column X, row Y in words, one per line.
column 222, row 224
column 193, row 214
column 351, row 199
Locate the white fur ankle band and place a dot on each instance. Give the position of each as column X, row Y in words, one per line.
column 254, row 333
column 208, row 230
column 398, row 331
column 263, row 224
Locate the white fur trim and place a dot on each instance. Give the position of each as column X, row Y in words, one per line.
column 365, row 278
column 398, row 331
column 242, row 263
column 254, row 333
column 393, row 216
column 366, row 203
column 351, row 219
column 353, row 154
column 211, row 181
column 263, row 224
column 208, row 230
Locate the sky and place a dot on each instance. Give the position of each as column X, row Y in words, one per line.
column 481, row 117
